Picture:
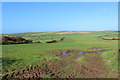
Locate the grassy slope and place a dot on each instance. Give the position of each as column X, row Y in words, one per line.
column 21, row 55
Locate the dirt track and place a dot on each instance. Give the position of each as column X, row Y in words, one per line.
column 77, row 70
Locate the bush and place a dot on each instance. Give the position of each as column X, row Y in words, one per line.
column 14, row 40
column 37, row 42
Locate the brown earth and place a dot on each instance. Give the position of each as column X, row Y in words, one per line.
column 110, row 38
column 39, row 33
column 80, row 32
column 42, row 33
column 95, row 68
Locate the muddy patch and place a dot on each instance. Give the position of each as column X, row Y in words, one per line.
column 100, row 52
column 63, row 68
column 77, row 52
column 53, row 69
column 95, row 48
column 36, row 71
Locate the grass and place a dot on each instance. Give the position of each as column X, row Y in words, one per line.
column 28, row 53
column 111, row 59
column 82, row 60
column 68, row 68
column 22, row 55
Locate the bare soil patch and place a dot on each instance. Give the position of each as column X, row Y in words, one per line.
column 73, row 32
column 41, row 33
column 110, row 38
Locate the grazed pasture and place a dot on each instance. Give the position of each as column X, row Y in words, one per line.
column 78, row 55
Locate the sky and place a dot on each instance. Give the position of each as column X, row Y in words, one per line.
column 60, row 0
column 18, row 17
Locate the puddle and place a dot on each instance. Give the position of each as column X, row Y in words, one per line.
column 71, row 53
column 100, row 52
column 96, row 48
column 81, row 53
column 64, row 53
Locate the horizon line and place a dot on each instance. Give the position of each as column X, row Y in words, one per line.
column 57, row 31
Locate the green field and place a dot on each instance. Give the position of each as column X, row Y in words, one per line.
column 89, row 65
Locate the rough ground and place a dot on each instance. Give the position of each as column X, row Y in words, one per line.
column 41, row 33
column 69, row 67
column 80, row 32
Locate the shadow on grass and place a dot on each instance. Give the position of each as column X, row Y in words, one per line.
column 8, row 62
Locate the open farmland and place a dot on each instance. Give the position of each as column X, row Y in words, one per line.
column 75, row 54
